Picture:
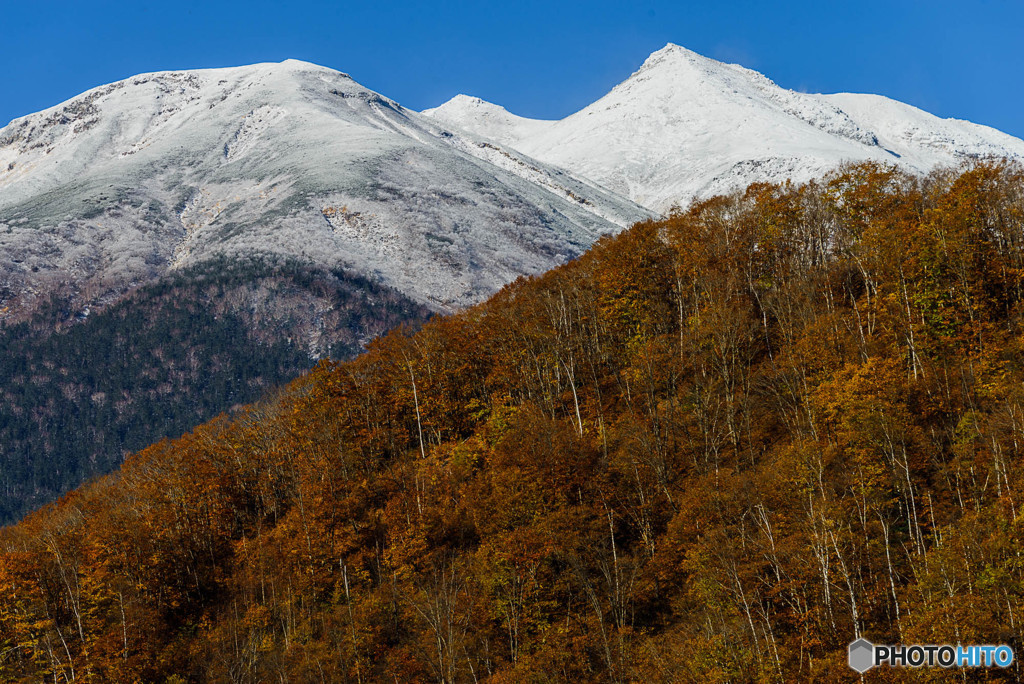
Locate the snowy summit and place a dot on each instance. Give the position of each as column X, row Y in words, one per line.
column 684, row 125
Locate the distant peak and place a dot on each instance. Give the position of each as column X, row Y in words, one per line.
column 678, row 65
column 674, row 48
column 462, row 102
column 466, row 100
column 471, row 100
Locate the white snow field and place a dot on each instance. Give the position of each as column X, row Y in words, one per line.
column 686, row 126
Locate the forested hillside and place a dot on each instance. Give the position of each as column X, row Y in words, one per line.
column 81, row 390
column 718, row 447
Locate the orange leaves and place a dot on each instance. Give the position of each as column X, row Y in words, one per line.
column 745, row 431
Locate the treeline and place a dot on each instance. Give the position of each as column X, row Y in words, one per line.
column 77, row 396
column 718, row 447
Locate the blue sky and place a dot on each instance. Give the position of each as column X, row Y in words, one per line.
column 540, row 59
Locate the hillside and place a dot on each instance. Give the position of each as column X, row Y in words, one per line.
column 716, row 447
column 82, row 390
column 138, row 183
column 379, row 217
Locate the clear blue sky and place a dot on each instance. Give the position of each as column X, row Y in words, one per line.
column 963, row 59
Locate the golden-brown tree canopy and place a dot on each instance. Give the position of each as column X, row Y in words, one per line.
column 717, row 447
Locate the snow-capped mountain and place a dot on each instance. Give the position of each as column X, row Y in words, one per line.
column 684, row 125
column 132, row 180
column 175, row 241
column 127, row 181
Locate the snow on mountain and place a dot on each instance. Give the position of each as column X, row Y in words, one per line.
column 488, row 120
column 684, row 125
column 119, row 185
column 922, row 138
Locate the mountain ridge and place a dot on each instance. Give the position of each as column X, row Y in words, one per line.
column 684, row 126
column 288, row 158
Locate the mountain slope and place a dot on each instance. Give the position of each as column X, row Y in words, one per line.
column 392, row 214
column 711, row 449
column 163, row 170
column 175, row 353
column 684, row 125
column 292, row 215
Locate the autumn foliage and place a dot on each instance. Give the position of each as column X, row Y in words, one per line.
column 717, row 447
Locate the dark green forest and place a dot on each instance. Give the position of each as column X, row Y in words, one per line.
column 79, row 392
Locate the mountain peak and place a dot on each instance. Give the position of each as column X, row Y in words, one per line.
column 686, row 125
column 462, row 102
column 486, row 119
column 464, row 99
column 674, row 50
column 673, row 54
column 300, row 65
column 687, row 69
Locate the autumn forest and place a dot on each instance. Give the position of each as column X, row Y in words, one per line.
column 716, row 447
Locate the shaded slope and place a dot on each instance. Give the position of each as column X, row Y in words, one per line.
column 77, row 400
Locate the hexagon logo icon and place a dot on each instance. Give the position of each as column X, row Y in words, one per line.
column 862, row 656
